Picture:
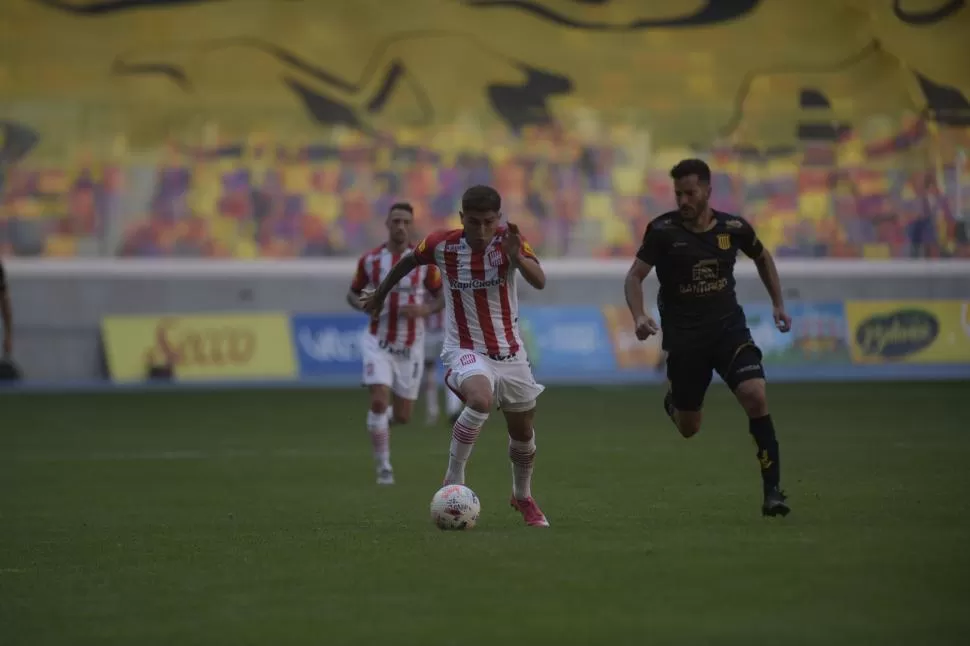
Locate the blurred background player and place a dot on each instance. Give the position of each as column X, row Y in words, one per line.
column 704, row 328
column 483, row 351
column 393, row 347
column 433, row 340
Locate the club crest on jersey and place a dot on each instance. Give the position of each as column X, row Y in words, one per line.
column 494, row 258
column 723, row 241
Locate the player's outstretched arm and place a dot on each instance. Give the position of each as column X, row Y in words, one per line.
column 647, row 255
column 531, row 270
column 404, row 266
column 768, row 272
column 374, row 303
column 633, row 288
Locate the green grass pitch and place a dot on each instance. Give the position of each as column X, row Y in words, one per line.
column 252, row 517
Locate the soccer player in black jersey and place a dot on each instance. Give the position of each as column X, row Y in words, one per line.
column 704, row 329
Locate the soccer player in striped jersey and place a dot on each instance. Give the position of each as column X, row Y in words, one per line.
column 433, row 344
column 483, row 351
column 393, row 348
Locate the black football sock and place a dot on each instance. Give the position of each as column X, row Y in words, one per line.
column 763, row 432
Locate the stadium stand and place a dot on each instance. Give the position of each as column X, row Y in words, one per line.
column 199, row 150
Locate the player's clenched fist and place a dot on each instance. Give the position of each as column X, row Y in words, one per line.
column 646, row 327
column 782, row 319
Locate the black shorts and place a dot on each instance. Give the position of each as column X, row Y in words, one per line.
column 735, row 357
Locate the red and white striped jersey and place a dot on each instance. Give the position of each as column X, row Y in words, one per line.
column 392, row 326
column 481, row 305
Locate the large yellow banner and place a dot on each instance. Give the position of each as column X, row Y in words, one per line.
column 151, row 70
column 210, row 347
column 920, row 331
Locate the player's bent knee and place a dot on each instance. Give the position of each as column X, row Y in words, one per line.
column 378, row 406
column 479, row 401
column 380, row 399
column 478, row 397
column 752, row 396
column 477, row 392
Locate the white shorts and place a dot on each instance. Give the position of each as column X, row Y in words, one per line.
column 513, row 384
column 432, row 346
column 398, row 368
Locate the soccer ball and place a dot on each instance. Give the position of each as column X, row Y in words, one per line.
column 455, row 507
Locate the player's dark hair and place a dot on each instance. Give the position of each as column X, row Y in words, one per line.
column 401, row 206
column 481, row 199
column 688, row 167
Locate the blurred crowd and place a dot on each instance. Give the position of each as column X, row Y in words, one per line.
column 892, row 196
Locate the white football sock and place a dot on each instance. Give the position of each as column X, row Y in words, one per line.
column 380, row 437
column 522, row 455
column 463, row 436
